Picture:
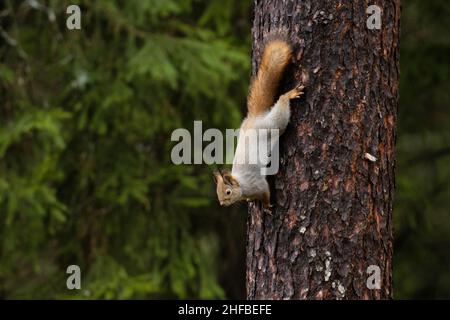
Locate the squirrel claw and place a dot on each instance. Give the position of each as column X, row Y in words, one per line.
column 267, row 210
column 296, row 92
column 299, row 91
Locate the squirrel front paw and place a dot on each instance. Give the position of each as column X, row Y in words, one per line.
column 268, row 210
column 295, row 93
column 266, row 206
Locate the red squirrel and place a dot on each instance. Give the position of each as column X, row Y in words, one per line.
column 245, row 181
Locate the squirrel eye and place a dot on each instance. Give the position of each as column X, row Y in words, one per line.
column 228, row 192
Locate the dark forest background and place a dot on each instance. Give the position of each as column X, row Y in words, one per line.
column 85, row 171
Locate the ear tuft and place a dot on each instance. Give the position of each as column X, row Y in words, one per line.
column 217, row 176
column 229, row 179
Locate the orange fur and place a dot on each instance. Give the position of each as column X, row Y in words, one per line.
column 276, row 56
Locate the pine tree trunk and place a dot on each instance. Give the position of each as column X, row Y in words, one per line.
column 332, row 215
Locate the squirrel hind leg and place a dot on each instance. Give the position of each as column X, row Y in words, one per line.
column 265, row 199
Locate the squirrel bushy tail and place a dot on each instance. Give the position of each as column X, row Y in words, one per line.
column 276, row 56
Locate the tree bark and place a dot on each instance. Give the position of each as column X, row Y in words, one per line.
column 332, row 215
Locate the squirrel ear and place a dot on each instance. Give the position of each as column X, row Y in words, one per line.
column 230, row 180
column 217, row 176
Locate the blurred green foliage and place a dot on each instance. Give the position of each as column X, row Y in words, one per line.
column 422, row 209
column 85, row 171
column 86, row 118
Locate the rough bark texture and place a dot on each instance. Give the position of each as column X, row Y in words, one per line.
column 332, row 215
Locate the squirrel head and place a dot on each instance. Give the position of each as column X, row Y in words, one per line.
column 228, row 189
